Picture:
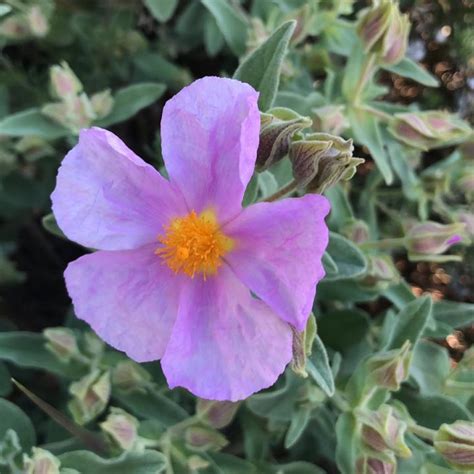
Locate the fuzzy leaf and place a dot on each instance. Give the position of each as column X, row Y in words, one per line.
column 31, row 122
column 231, row 23
column 261, row 68
column 130, row 100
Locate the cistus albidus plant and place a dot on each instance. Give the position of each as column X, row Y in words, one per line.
column 254, row 252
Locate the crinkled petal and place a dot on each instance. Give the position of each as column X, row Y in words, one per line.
column 106, row 197
column 210, row 132
column 129, row 298
column 225, row 344
column 278, row 251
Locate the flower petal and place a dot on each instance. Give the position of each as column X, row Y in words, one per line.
column 209, row 133
column 225, row 344
column 129, row 298
column 278, row 251
column 106, row 197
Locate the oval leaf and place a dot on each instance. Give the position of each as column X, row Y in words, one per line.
column 147, row 462
column 261, row 69
column 130, row 100
column 12, row 417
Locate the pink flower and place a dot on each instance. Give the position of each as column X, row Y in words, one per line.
column 180, row 261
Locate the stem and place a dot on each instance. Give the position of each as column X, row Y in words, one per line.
column 378, row 113
column 383, row 244
column 291, row 186
column 422, row 432
column 364, row 76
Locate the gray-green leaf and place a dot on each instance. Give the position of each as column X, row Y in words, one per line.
column 130, row 100
column 409, row 68
column 262, row 68
column 231, row 23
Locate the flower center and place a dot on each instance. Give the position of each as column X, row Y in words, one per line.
column 194, row 244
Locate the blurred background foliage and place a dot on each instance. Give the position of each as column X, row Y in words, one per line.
column 393, row 274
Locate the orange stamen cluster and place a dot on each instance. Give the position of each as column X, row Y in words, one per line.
column 194, row 244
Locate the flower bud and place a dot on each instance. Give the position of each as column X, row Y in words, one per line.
column 102, row 103
column 195, row 463
column 427, row 130
column 91, row 395
column 302, row 346
column 33, row 148
column 373, row 23
column 129, row 376
column 356, row 230
column 204, row 439
column 395, row 40
column 277, row 128
column 121, row 428
column 37, row 21
column 41, row 462
column 330, row 119
column 64, row 83
column 431, row 238
column 15, row 27
column 384, row 31
column 388, row 370
column 216, row 414
column 467, row 218
column 74, row 113
column 9, row 447
column 382, row 431
column 93, row 345
column 62, row 343
column 321, row 160
column 367, row 465
column 466, row 182
column 455, row 442
column 381, row 272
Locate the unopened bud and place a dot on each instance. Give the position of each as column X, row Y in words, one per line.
column 381, row 272
column 37, row 21
column 64, row 83
column 9, row 447
column 33, row 148
column 330, row 119
column 427, row 130
column 129, row 376
column 395, row 40
column 321, row 160
column 122, row 428
column 15, row 27
column 467, row 218
column 373, row 22
column 432, row 238
column 204, row 439
column 356, row 230
column 62, row 343
column 302, row 346
column 278, row 126
column 91, row 395
column 93, row 345
column 466, row 181
column 41, row 462
column 384, row 31
column 455, row 442
column 196, row 463
column 216, row 414
column 382, row 431
column 102, row 103
column 74, row 113
column 388, row 370
column 368, row 465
